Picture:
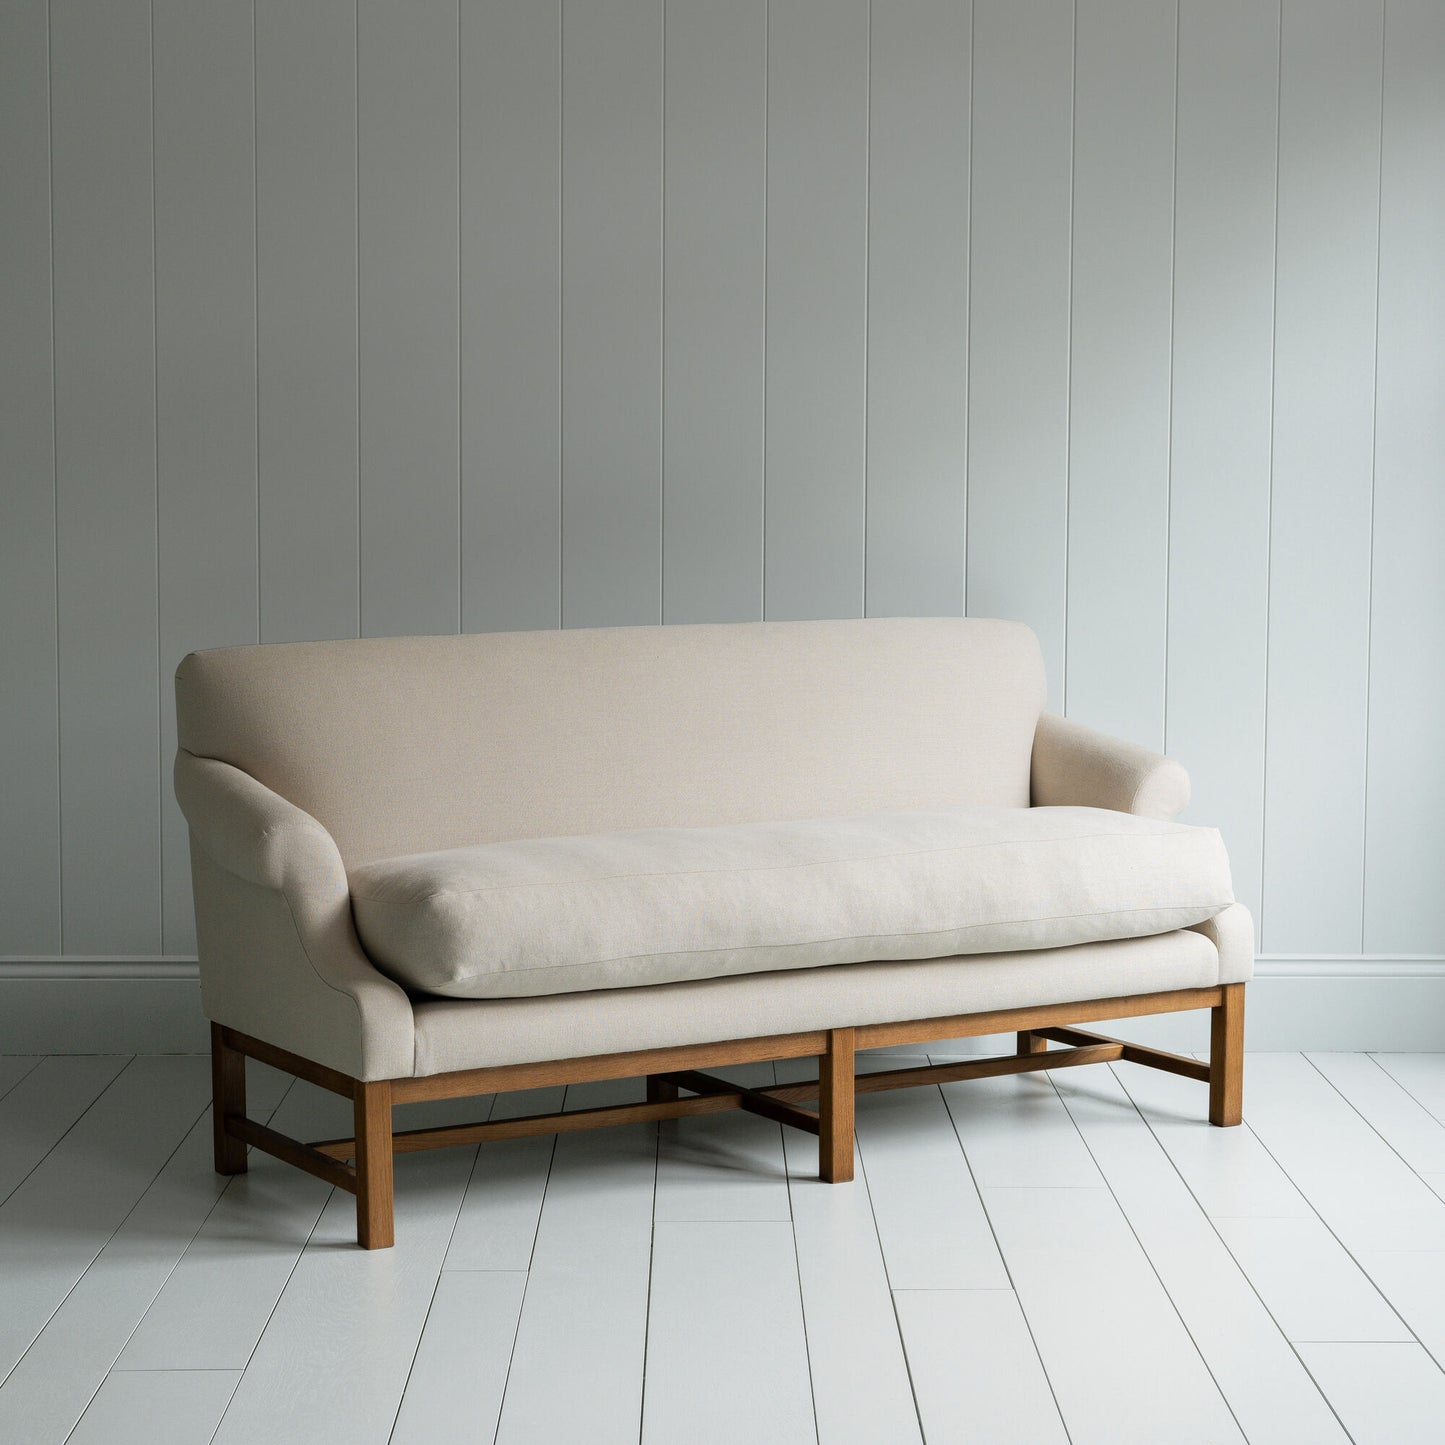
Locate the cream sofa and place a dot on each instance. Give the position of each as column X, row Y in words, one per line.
column 442, row 866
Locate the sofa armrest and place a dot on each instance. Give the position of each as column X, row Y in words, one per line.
column 1075, row 766
column 279, row 955
column 1232, row 934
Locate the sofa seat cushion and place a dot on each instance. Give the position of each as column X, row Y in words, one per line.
column 613, row 910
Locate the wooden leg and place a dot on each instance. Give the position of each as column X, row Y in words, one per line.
column 660, row 1091
column 374, row 1225
column 835, row 1108
column 1226, row 1057
column 228, row 1097
column 1030, row 1043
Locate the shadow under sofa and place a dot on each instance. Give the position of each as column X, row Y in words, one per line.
column 499, row 774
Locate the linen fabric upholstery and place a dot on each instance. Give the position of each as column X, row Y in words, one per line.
column 628, row 909
column 1075, row 765
column 481, row 1033
column 299, row 761
column 412, row 744
column 1232, row 934
column 279, row 955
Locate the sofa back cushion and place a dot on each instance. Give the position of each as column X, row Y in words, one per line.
column 411, row 744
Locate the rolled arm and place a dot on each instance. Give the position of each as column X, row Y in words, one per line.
column 1075, row 766
column 278, row 951
column 1232, row 934
column 251, row 831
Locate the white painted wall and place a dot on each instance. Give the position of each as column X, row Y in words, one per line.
column 1123, row 319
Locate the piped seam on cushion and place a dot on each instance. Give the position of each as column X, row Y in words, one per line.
column 1217, row 908
column 1179, row 830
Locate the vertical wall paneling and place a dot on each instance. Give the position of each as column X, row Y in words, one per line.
column 1119, row 365
column 511, row 200
column 205, row 368
column 306, row 317
column 918, row 104
column 407, row 246
column 817, row 308
column 611, row 311
column 1329, row 176
column 106, row 474
column 356, row 316
column 1220, row 431
column 29, row 759
column 1405, row 813
column 1019, row 318
column 714, row 238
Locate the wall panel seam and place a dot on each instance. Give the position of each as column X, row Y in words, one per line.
column 867, row 284
column 54, row 483
column 561, row 203
column 256, row 300
column 662, row 326
column 767, row 167
column 461, row 321
column 967, row 399
column 1069, row 348
column 1269, row 505
column 1374, row 463
column 1169, row 421
column 156, row 461
column 561, row 313
column 356, row 136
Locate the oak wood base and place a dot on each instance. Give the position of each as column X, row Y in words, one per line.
column 678, row 1086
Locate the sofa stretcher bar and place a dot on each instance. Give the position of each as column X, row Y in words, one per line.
column 717, row 1096
column 671, row 1071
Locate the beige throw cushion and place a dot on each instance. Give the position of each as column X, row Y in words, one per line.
column 610, row 910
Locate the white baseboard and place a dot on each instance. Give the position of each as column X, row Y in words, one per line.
column 101, row 1006
column 153, row 1006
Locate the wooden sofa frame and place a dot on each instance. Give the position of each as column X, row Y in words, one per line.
column 677, row 1086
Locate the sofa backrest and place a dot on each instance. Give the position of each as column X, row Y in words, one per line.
column 407, row 744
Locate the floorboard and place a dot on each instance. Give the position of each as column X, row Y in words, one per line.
column 1385, row 1394
column 1268, row 1390
column 861, row 1389
column 1229, row 1171
column 723, row 1166
column 1422, row 1076
column 1123, row 1367
column 1314, row 1290
column 62, row 1216
column 1409, row 1128
column 931, row 1221
column 13, row 1068
column 584, row 1316
column 1016, row 1134
column 975, row 1370
column 727, row 1360
column 45, row 1102
column 1362, row 1189
column 244, row 1254
column 1075, row 1257
column 454, row 1395
column 498, row 1223
column 157, row 1407
column 49, row 1389
column 334, row 1358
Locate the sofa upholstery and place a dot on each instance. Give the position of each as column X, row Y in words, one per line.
column 613, row 910
column 407, row 745
column 469, row 1034
column 1077, row 766
column 299, row 762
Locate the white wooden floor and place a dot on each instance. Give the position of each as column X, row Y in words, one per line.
column 1030, row 1259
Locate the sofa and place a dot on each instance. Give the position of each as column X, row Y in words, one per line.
column 435, row 867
